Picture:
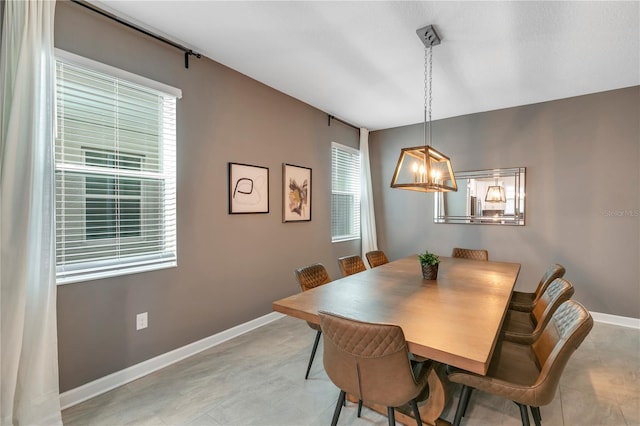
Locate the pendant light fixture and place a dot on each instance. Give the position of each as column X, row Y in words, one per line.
column 495, row 194
column 423, row 168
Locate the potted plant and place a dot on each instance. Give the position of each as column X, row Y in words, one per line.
column 429, row 263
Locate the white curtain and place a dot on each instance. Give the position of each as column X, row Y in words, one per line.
column 28, row 342
column 369, row 239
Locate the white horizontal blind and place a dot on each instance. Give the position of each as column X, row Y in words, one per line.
column 115, row 154
column 345, row 193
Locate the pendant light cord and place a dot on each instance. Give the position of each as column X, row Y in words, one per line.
column 428, row 93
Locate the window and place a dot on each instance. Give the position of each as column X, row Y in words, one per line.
column 104, row 194
column 115, row 172
column 345, row 193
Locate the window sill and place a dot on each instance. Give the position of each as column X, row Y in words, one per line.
column 97, row 275
column 343, row 239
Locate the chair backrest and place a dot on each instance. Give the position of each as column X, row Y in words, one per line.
column 369, row 361
column 470, row 254
column 557, row 293
column 312, row 276
column 567, row 329
column 553, row 272
column 350, row 265
column 376, row 258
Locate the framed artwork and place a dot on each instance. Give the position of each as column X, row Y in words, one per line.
column 296, row 193
column 248, row 189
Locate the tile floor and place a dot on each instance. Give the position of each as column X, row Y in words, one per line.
column 258, row 379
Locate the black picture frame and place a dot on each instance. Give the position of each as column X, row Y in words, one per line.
column 248, row 189
column 296, row 193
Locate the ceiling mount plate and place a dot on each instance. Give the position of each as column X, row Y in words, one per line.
column 428, row 36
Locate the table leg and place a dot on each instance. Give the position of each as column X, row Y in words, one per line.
column 433, row 407
column 430, row 409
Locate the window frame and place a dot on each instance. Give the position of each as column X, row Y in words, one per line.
column 358, row 194
column 153, row 257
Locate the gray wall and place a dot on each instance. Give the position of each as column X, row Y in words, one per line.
column 582, row 192
column 231, row 267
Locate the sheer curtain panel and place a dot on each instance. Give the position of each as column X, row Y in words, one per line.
column 369, row 240
column 28, row 341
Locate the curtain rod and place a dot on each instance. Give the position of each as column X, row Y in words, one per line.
column 331, row 117
column 187, row 52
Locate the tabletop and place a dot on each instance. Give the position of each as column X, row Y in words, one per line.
column 455, row 319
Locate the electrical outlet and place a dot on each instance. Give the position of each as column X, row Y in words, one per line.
column 142, row 321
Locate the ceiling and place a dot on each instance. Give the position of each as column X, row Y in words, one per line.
column 363, row 62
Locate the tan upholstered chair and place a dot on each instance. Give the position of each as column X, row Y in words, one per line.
column 470, row 254
column 526, row 327
column 525, row 302
column 529, row 374
column 371, row 362
column 376, row 258
column 310, row 277
column 350, row 265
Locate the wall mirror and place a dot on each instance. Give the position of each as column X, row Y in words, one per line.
column 484, row 197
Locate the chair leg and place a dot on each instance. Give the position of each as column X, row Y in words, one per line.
column 336, row 413
column 465, row 393
column 359, row 407
column 391, row 414
column 524, row 413
column 416, row 412
column 537, row 418
column 313, row 353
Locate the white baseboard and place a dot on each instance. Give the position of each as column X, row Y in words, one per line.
column 129, row 374
column 616, row 320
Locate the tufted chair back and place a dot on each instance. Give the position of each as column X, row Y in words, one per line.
column 370, row 361
column 376, row 258
column 350, row 265
column 470, row 254
column 312, row 276
column 557, row 293
column 553, row 272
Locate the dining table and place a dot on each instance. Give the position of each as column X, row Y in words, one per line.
column 454, row 320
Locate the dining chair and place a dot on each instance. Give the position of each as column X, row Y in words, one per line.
column 371, row 362
column 472, row 254
column 309, row 277
column 376, row 258
column 528, row 374
column 526, row 327
column 350, row 265
column 521, row 301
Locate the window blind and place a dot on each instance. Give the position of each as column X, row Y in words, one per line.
column 345, row 193
column 115, row 165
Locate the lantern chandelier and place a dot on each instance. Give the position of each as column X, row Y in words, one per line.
column 423, row 168
column 495, row 194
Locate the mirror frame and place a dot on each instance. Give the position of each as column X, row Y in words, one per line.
column 518, row 218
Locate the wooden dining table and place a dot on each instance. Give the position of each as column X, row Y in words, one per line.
column 454, row 320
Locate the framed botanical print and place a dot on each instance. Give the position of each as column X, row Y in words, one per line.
column 296, row 193
column 248, row 189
